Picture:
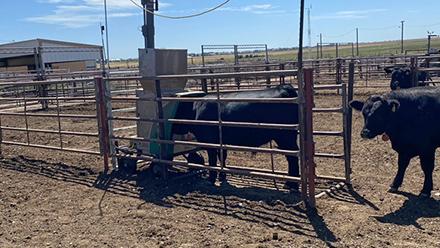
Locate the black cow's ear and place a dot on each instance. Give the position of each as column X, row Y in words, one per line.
column 357, row 105
column 394, row 105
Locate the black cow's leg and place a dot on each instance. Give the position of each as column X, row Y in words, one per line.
column 222, row 175
column 212, row 155
column 288, row 142
column 403, row 163
column 427, row 163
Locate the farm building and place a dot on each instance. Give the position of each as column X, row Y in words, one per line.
column 51, row 54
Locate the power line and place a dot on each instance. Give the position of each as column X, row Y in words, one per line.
column 180, row 17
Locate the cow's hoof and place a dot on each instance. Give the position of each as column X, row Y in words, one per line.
column 291, row 186
column 212, row 177
column 393, row 190
column 425, row 195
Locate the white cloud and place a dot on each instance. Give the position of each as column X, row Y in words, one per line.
column 349, row 14
column 256, row 9
column 56, row 1
column 83, row 13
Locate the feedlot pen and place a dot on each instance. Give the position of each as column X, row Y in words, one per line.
column 84, row 125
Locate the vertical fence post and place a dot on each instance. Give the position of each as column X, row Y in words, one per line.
column 237, row 79
column 103, row 129
column 203, row 56
column 220, row 127
column 367, row 71
column 337, row 50
column 204, row 82
column 268, row 80
column 309, row 145
column 317, row 50
column 348, row 115
column 282, row 78
column 338, row 71
column 163, row 154
column 413, row 67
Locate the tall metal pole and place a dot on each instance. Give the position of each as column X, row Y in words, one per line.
column 106, row 34
column 309, row 31
column 320, row 44
column 357, row 42
column 401, row 38
column 301, row 39
column 301, row 105
column 148, row 27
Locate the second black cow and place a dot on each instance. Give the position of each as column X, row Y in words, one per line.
column 411, row 120
column 401, row 78
column 275, row 113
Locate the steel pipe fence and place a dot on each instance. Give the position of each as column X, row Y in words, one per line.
column 305, row 92
column 369, row 71
column 56, row 119
column 103, row 93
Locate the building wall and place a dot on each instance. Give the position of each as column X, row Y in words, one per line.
column 14, row 69
column 70, row 66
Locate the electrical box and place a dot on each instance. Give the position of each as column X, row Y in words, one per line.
column 155, row 62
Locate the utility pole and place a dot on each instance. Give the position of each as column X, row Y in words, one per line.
column 320, row 44
column 148, row 27
column 301, row 41
column 401, row 38
column 309, row 31
column 106, row 33
column 357, row 42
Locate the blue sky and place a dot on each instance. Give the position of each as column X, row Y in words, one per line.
column 240, row 21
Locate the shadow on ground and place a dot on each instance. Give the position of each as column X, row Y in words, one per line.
column 257, row 201
column 412, row 210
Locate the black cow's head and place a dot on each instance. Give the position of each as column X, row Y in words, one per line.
column 376, row 111
column 400, row 79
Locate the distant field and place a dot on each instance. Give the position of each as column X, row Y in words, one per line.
column 365, row 49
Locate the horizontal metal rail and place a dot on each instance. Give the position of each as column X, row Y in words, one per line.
column 49, row 131
column 328, row 133
column 329, row 155
column 212, row 123
column 328, row 110
column 51, row 147
column 47, row 98
column 49, row 115
column 124, row 110
column 124, row 128
column 274, row 73
column 211, row 99
column 210, row 145
column 216, row 168
column 328, row 87
column 48, row 82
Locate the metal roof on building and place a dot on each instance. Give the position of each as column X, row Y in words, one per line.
column 51, row 51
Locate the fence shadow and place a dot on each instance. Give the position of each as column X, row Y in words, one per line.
column 412, row 209
column 264, row 205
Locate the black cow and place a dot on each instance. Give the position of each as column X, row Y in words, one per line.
column 411, row 120
column 401, row 78
column 280, row 113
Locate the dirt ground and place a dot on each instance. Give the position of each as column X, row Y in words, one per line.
column 55, row 199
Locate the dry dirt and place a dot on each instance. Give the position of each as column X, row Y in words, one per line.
column 54, row 199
